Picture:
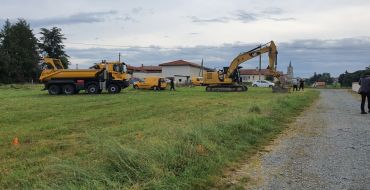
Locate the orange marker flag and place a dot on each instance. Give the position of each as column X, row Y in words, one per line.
column 16, row 141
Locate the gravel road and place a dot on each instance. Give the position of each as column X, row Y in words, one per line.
column 327, row 147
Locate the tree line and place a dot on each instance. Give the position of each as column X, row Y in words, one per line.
column 346, row 79
column 21, row 51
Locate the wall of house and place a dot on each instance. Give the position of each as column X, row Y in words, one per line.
column 252, row 78
column 171, row 71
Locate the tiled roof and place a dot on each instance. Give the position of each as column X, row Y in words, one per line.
column 180, row 63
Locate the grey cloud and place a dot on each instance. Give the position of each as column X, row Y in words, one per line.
column 307, row 56
column 271, row 13
column 79, row 18
column 137, row 10
column 219, row 19
column 282, row 19
column 245, row 16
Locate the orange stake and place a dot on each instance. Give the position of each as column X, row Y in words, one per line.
column 16, row 141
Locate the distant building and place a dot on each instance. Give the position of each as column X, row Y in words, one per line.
column 251, row 75
column 181, row 70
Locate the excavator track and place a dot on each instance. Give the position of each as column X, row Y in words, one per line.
column 226, row 88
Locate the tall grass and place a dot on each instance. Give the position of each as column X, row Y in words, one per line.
column 136, row 139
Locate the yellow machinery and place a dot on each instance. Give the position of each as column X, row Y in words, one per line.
column 197, row 81
column 228, row 79
column 110, row 76
column 151, row 83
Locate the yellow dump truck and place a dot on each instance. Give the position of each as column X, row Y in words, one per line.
column 110, row 76
column 151, row 83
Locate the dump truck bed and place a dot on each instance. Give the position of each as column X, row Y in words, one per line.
column 69, row 73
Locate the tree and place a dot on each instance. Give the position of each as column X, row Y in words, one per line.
column 324, row 77
column 346, row 79
column 52, row 44
column 18, row 52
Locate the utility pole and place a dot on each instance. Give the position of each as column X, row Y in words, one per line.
column 201, row 69
column 259, row 72
column 77, row 66
column 119, row 57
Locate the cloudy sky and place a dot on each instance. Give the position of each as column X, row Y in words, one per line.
column 322, row 36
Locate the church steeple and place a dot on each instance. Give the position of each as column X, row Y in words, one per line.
column 290, row 74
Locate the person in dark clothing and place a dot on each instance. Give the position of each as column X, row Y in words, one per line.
column 172, row 84
column 365, row 93
column 301, row 85
column 159, row 84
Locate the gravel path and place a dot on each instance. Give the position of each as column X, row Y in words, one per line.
column 328, row 147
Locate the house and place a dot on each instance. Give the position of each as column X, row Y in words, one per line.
column 181, row 70
column 250, row 75
column 319, row 85
column 144, row 71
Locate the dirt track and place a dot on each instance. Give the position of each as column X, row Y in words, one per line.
column 328, row 147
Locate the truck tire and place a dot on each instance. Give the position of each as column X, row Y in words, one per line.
column 92, row 89
column 113, row 89
column 54, row 89
column 69, row 89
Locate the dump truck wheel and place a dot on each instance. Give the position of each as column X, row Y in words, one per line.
column 69, row 89
column 113, row 88
column 54, row 89
column 92, row 89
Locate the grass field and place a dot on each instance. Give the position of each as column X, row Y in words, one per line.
column 135, row 139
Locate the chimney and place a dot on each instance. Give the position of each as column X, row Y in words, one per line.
column 142, row 65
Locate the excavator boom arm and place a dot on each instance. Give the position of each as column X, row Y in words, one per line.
column 243, row 57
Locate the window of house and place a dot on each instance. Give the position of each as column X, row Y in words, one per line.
column 180, row 80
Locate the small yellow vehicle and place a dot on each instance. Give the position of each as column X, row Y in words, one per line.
column 197, row 81
column 151, row 83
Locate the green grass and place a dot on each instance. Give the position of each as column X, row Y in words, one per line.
column 135, row 139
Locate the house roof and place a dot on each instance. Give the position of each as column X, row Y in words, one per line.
column 180, row 63
column 145, row 69
column 256, row 72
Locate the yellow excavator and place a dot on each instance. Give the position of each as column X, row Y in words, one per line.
column 228, row 79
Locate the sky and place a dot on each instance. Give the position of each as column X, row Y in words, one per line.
column 316, row 36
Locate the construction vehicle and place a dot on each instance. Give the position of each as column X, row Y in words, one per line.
column 228, row 79
column 196, row 81
column 151, row 83
column 110, row 76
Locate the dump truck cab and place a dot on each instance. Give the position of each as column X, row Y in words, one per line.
column 151, row 83
column 110, row 76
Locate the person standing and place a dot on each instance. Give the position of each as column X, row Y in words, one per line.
column 172, row 84
column 159, row 84
column 301, row 85
column 365, row 92
column 295, row 85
